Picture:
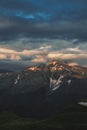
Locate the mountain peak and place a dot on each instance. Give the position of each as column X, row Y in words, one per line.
column 72, row 69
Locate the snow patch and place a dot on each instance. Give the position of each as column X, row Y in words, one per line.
column 69, row 81
column 83, row 103
column 55, row 84
column 17, row 79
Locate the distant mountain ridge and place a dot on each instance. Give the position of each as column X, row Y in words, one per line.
column 4, row 71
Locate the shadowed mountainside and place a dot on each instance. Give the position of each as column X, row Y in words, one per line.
column 43, row 91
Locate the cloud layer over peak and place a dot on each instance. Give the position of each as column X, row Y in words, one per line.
column 34, row 31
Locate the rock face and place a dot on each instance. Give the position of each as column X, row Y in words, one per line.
column 42, row 92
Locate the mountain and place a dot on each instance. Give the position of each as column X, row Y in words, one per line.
column 4, row 71
column 42, row 90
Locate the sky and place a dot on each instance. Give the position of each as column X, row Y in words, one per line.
column 35, row 31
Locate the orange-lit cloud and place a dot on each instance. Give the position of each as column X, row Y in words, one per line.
column 3, row 56
column 40, row 59
column 60, row 55
column 68, row 53
column 42, row 54
column 17, row 55
column 72, row 64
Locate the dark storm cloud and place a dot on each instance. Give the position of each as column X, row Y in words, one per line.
column 43, row 18
column 15, row 27
column 17, row 5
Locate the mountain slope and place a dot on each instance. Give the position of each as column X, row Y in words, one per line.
column 44, row 90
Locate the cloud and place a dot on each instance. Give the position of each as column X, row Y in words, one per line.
column 38, row 30
column 62, row 56
column 43, row 51
column 3, row 56
column 72, row 64
column 43, row 19
column 43, row 54
column 25, row 54
column 18, row 6
column 68, row 53
column 4, row 24
column 12, row 28
column 39, row 59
